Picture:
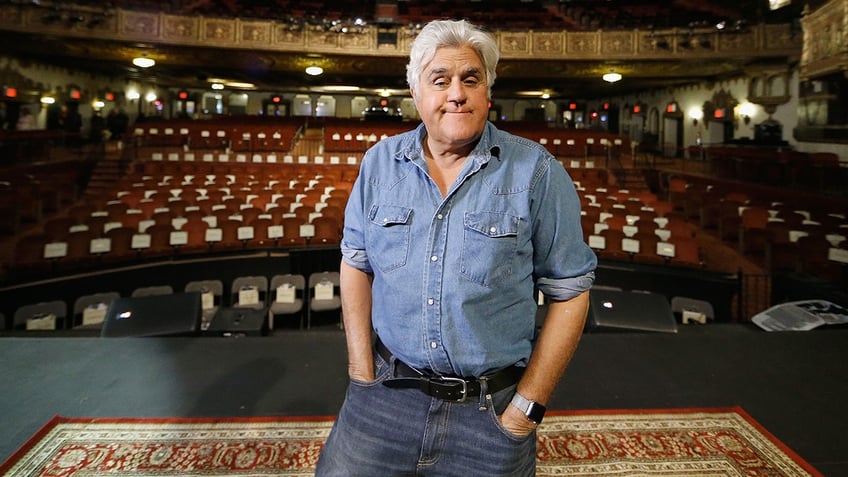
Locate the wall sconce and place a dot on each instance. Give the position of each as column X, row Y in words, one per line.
column 696, row 114
column 314, row 70
column 746, row 110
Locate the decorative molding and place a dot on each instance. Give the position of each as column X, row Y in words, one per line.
column 825, row 46
column 769, row 87
column 180, row 28
column 721, row 99
column 139, row 25
column 759, row 41
column 512, row 43
column 582, row 43
column 548, row 43
column 217, row 31
column 618, row 43
column 255, row 33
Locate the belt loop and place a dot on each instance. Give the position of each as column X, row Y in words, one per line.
column 484, row 394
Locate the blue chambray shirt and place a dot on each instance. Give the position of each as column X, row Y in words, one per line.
column 453, row 288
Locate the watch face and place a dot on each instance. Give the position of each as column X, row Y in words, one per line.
column 535, row 412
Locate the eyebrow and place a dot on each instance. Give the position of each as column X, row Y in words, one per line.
column 473, row 70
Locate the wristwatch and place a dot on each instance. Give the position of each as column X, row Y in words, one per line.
column 531, row 409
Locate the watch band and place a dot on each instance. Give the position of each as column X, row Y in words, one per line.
column 531, row 409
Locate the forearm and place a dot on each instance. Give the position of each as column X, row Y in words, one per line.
column 356, row 311
column 554, row 348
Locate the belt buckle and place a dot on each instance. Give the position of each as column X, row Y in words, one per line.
column 464, row 392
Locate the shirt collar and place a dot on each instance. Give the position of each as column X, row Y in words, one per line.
column 487, row 147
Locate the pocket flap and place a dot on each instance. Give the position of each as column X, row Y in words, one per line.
column 388, row 215
column 492, row 224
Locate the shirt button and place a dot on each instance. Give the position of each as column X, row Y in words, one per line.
column 492, row 229
column 433, row 345
column 440, row 216
column 430, row 301
column 433, row 258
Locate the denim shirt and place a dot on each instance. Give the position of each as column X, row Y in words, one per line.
column 454, row 277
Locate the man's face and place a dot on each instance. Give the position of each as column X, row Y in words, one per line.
column 452, row 97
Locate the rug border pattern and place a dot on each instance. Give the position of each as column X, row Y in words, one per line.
column 599, row 419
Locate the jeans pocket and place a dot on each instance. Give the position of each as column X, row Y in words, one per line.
column 382, row 369
column 496, row 405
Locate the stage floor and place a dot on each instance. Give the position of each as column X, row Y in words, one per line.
column 791, row 383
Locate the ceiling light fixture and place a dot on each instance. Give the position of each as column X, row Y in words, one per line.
column 611, row 77
column 339, row 88
column 143, row 62
column 314, row 70
column 239, row 85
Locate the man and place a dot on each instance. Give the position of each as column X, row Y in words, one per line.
column 448, row 231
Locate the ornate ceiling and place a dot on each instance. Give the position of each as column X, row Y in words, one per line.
column 190, row 50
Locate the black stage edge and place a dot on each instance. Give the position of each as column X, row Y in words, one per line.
column 792, row 382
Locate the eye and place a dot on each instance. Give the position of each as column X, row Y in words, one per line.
column 440, row 83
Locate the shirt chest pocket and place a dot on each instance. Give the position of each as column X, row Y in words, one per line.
column 388, row 246
column 489, row 246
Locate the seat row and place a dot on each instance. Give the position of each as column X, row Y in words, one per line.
column 782, row 232
column 288, row 301
column 87, row 246
column 226, row 157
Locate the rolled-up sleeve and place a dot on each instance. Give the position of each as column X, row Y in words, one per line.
column 353, row 239
column 563, row 263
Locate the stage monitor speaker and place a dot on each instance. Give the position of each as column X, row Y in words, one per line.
column 237, row 322
column 176, row 314
column 630, row 310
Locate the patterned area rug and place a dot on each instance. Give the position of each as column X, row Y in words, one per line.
column 702, row 442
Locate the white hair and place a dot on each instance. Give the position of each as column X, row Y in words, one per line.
column 455, row 34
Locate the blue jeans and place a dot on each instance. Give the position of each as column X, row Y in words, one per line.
column 382, row 431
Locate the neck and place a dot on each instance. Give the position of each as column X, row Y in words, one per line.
column 446, row 156
column 444, row 166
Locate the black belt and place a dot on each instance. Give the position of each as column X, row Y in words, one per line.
column 448, row 388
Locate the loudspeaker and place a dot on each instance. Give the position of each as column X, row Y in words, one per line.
column 176, row 314
column 630, row 310
column 239, row 322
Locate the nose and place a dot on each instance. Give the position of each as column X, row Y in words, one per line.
column 457, row 93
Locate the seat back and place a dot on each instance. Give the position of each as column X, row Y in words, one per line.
column 323, row 293
column 89, row 310
column 692, row 309
column 153, row 290
column 249, row 291
column 36, row 315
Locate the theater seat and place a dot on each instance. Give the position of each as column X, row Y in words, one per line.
column 42, row 316
column 89, row 310
column 323, row 296
column 211, row 297
column 249, row 292
column 286, row 299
